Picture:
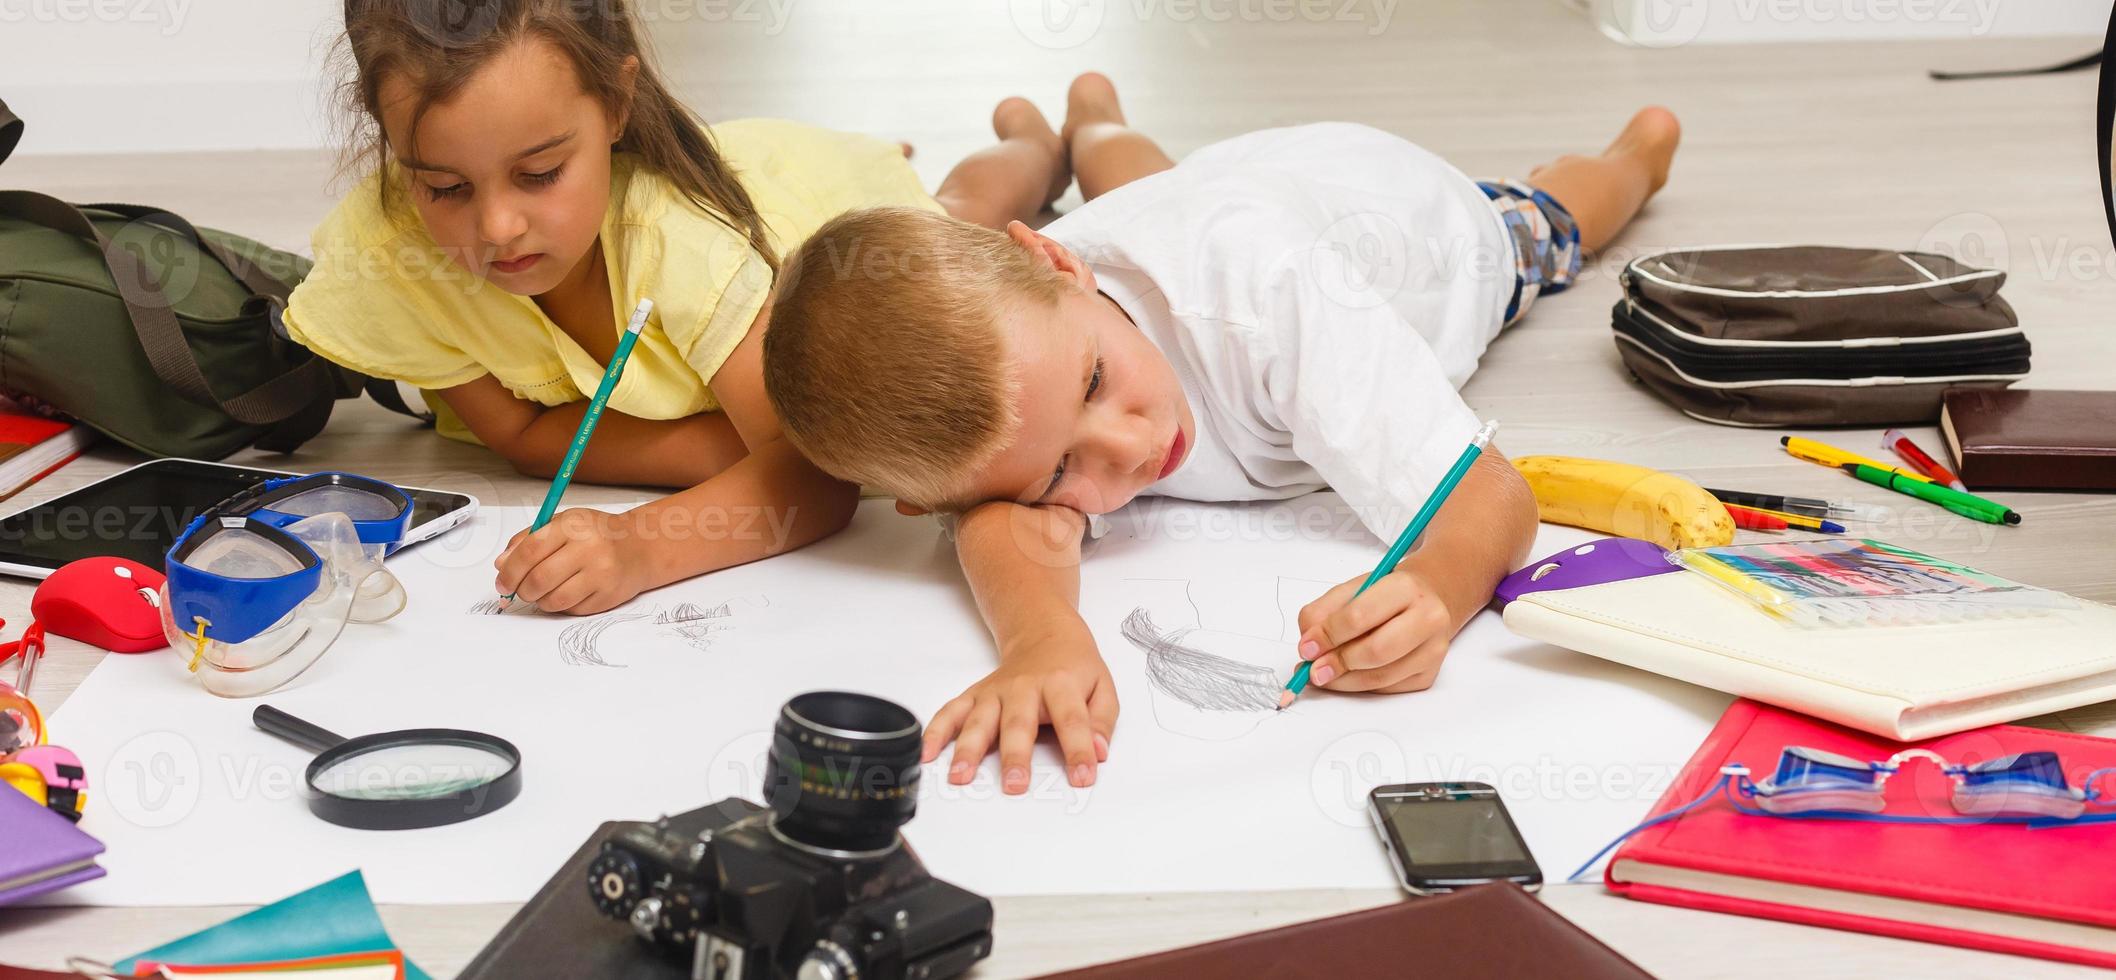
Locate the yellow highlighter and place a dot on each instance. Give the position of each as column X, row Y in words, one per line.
column 1701, row 560
column 1827, row 455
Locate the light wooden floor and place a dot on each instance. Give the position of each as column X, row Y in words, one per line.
column 1845, row 144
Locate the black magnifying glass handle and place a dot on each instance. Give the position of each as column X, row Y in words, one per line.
column 286, row 726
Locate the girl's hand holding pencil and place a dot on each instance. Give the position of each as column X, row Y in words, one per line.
column 589, row 570
column 583, row 562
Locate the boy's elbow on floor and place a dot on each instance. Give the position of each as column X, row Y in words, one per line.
column 1522, row 514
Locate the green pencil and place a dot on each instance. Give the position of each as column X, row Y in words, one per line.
column 587, row 422
column 1966, row 504
column 1402, row 546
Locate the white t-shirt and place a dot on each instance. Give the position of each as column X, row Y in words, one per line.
column 1322, row 292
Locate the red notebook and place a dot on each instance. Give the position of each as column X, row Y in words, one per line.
column 2006, row 888
column 32, row 446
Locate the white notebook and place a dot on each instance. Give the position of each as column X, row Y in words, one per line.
column 1619, row 601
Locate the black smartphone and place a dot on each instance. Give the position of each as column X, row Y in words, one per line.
column 1444, row 836
column 138, row 513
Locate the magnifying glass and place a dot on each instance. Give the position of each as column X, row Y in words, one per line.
column 419, row 777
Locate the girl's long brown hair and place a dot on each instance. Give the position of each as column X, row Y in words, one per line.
column 438, row 45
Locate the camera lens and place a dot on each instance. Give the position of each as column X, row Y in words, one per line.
column 843, row 774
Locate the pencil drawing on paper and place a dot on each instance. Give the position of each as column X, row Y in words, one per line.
column 582, row 643
column 1206, row 683
column 695, row 626
column 492, row 606
column 579, row 644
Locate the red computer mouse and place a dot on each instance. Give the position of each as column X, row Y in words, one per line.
column 113, row 603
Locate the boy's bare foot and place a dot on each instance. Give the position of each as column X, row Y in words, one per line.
column 1644, row 150
column 1605, row 191
column 1016, row 118
column 1649, row 138
column 1645, row 146
column 1091, row 99
column 1106, row 153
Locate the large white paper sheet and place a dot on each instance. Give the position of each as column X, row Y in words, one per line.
column 667, row 703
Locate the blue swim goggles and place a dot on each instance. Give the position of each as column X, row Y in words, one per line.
column 2025, row 788
column 262, row 582
column 380, row 512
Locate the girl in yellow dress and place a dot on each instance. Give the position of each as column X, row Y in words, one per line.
column 531, row 180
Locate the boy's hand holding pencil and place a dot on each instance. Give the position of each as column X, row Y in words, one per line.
column 1388, row 639
column 1388, row 630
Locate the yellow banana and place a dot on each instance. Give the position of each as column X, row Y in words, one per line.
column 1625, row 500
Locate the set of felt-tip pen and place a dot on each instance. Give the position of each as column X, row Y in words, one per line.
column 1764, row 519
column 1810, row 507
column 1925, row 479
column 1936, row 485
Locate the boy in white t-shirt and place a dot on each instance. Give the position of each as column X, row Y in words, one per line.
column 1283, row 311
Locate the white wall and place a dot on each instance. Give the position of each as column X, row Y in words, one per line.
column 99, row 76
column 1666, row 23
column 104, row 76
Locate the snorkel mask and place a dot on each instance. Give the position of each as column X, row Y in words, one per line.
column 261, row 584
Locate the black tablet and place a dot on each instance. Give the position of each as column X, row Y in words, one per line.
column 138, row 513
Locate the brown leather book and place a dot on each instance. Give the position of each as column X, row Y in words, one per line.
column 25, row 973
column 559, row 934
column 1492, row 932
column 2025, row 439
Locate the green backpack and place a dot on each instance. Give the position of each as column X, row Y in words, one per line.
column 162, row 336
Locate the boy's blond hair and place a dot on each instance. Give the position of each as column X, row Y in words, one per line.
column 885, row 357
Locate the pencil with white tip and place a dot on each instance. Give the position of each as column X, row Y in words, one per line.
column 1403, row 543
column 587, row 423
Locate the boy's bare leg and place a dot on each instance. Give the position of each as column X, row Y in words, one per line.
column 1014, row 179
column 1106, row 152
column 1604, row 192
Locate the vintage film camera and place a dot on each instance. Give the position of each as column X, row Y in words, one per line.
column 820, row 886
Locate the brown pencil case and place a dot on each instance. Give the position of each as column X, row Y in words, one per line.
column 1808, row 335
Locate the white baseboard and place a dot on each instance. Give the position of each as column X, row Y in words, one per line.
column 1669, row 23
column 200, row 115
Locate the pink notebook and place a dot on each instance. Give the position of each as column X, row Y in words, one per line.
column 2008, row 888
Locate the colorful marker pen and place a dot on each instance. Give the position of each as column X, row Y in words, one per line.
column 1894, row 439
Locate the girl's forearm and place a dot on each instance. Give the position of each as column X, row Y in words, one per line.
column 626, row 449
column 769, row 503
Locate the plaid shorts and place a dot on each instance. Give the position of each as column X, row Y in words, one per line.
column 1546, row 242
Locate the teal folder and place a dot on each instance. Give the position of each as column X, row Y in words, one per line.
column 332, row 918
